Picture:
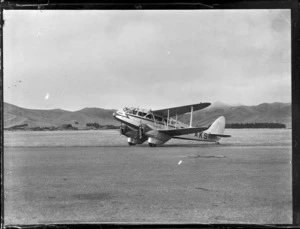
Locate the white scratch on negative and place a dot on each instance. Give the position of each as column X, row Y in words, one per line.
column 47, row 96
column 179, row 162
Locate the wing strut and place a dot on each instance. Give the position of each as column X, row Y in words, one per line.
column 191, row 118
column 168, row 118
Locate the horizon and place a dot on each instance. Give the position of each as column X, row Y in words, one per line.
column 212, row 103
column 158, row 58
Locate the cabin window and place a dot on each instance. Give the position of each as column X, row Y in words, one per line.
column 158, row 119
column 149, row 116
column 134, row 112
column 141, row 114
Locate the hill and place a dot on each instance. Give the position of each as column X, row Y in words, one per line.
column 265, row 112
column 14, row 115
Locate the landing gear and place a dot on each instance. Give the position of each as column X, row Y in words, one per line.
column 152, row 145
column 131, row 144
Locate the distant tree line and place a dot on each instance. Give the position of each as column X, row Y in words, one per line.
column 255, row 125
column 19, row 126
column 52, row 128
column 96, row 125
column 68, row 127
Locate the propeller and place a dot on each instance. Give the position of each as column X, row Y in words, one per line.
column 142, row 129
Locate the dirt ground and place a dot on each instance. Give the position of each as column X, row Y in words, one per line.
column 171, row 184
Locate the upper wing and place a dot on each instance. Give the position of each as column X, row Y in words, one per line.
column 180, row 110
column 176, row 132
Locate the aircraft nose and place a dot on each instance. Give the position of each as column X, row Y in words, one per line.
column 114, row 114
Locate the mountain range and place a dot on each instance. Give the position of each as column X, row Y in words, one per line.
column 265, row 112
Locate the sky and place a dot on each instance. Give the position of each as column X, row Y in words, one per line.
column 149, row 59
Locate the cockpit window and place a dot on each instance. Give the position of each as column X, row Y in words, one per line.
column 134, row 112
column 127, row 110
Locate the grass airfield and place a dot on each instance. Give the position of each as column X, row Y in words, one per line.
column 176, row 183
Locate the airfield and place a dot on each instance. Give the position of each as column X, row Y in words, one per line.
column 75, row 179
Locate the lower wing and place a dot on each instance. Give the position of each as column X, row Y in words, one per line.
column 194, row 139
column 183, row 131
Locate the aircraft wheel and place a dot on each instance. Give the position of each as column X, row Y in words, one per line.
column 131, row 144
column 152, row 145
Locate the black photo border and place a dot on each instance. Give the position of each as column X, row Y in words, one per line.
column 293, row 5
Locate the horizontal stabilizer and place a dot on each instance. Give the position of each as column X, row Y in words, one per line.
column 220, row 135
column 182, row 131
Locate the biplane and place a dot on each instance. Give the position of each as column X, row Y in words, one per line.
column 159, row 126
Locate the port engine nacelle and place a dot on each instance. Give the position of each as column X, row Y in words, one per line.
column 134, row 141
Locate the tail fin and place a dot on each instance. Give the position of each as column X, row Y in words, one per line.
column 217, row 128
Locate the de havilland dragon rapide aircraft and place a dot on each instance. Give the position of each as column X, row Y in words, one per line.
column 159, row 126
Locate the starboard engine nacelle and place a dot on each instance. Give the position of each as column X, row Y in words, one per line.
column 157, row 138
